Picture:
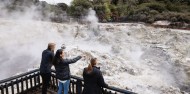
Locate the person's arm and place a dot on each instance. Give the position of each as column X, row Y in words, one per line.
column 69, row 61
column 101, row 81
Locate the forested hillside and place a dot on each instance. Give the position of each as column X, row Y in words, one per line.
column 147, row 11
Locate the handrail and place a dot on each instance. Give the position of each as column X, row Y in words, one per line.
column 22, row 83
column 109, row 87
column 18, row 76
column 72, row 76
column 79, row 82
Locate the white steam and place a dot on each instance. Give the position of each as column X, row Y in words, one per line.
column 68, row 2
column 144, row 59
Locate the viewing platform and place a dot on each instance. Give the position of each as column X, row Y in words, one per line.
column 30, row 83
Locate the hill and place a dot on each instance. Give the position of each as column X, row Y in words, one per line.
column 149, row 11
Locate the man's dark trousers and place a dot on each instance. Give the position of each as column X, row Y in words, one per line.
column 46, row 77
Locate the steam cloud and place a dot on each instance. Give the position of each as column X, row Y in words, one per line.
column 125, row 51
column 23, row 37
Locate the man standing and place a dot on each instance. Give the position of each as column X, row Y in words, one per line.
column 45, row 66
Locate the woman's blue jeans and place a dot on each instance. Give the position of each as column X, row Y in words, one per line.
column 64, row 86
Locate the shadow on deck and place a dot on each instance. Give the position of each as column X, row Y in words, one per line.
column 39, row 91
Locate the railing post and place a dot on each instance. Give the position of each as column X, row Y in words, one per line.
column 12, row 87
column 31, row 85
column 38, row 79
column 26, row 81
column 2, row 89
column 53, row 83
column 79, row 87
column 69, row 88
column 6, row 88
column 73, row 86
column 17, row 86
column 35, row 75
column 22, row 85
column 56, row 82
column 105, row 92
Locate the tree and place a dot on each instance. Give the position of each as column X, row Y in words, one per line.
column 79, row 8
column 115, row 2
column 62, row 6
column 107, row 11
column 143, row 1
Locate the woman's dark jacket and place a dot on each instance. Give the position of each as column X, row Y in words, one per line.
column 93, row 81
column 62, row 68
column 46, row 61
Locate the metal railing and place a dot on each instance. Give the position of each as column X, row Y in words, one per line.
column 77, row 84
column 21, row 84
column 30, row 81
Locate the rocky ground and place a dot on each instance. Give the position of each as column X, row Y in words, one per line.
column 132, row 56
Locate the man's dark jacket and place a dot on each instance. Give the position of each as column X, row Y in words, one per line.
column 93, row 81
column 46, row 61
column 62, row 68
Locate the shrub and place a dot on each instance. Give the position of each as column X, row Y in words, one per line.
column 62, row 6
column 174, row 19
column 153, row 12
column 159, row 17
column 173, row 7
column 123, row 10
column 79, row 8
column 141, row 10
column 155, row 6
column 150, row 20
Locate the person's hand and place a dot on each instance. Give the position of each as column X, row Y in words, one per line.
column 83, row 56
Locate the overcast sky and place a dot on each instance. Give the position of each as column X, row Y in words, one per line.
column 58, row 1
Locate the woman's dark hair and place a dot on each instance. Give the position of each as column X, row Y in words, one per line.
column 57, row 56
column 92, row 63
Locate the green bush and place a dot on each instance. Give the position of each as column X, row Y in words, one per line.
column 153, row 12
column 62, row 6
column 154, row 6
column 123, row 10
column 107, row 11
column 172, row 7
column 184, row 18
column 174, row 19
column 142, row 10
column 79, row 8
column 150, row 20
column 158, row 17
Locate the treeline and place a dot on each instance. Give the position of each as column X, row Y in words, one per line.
column 147, row 11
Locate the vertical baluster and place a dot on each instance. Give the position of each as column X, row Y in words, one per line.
column 105, row 91
column 2, row 89
column 56, row 83
column 12, row 87
column 70, row 88
column 6, row 88
column 17, row 86
column 35, row 81
column 22, row 86
column 26, row 81
column 53, row 83
column 38, row 77
column 73, row 88
column 30, row 77
column 78, row 87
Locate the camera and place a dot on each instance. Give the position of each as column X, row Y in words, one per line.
column 63, row 46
